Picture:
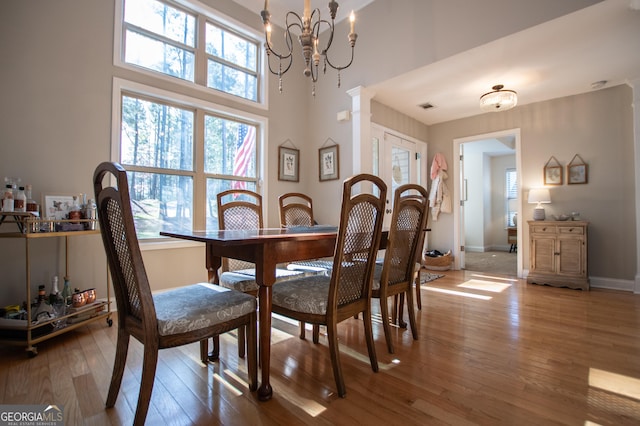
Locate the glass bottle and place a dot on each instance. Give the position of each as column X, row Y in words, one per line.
column 7, row 199
column 75, row 212
column 66, row 291
column 32, row 206
column 20, row 200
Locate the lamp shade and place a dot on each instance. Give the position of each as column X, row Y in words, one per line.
column 539, row 195
column 498, row 99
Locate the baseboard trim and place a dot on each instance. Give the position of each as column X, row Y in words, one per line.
column 612, row 283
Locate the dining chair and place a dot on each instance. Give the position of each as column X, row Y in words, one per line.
column 181, row 316
column 296, row 209
column 242, row 209
column 329, row 300
column 398, row 272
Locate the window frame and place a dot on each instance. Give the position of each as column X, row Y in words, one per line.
column 508, row 171
column 203, row 14
column 201, row 107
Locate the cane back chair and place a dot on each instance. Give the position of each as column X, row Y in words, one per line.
column 176, row 317
column 328, row 300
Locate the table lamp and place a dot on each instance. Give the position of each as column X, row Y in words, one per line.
column 539, row 196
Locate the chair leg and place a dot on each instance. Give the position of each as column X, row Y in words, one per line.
column 384, row 311
column 368, row 331
column 149, row 363
column 241, row 340
column 215, row 352
column 204, row 349
column 332, row 335
column 316, row 333
column 418, row 293
column 401, row 322
column 122, row 346
column 252, row 349
column 394, row 310
column 412, row 314
column 302, row 330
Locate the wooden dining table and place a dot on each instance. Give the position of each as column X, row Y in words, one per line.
column 266, row 248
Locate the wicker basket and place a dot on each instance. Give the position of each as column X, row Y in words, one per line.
column 440, row 263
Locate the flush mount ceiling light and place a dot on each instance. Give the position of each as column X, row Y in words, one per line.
column 498, row 99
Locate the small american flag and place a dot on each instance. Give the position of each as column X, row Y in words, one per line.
column 244, row 153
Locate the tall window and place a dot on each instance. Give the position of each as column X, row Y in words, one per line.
column 163, row 37
column 511, row 196
column 180, row 151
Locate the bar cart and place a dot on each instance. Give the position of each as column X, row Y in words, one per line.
column 25, row 332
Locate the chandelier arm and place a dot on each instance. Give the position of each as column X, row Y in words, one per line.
column 340, row 68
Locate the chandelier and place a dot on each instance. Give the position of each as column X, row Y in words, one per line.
column 307, row 28
column 498, row 99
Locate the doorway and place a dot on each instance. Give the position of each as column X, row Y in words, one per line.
column 398, row 160
column 485, row 213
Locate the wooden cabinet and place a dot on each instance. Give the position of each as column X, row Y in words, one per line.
column 558, row 253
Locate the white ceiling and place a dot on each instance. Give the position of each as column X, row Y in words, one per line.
column 561, row 57
column 279, row 8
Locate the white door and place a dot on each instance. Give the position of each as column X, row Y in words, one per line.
column 463, row 199
column 401, row 161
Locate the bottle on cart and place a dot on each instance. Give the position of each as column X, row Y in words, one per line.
column 43, row 311
column 55, row 298
column 32, row 206
column 7, row 198
column 75, row 212
column 90, row 212
column 66, row 291
column 20, row 200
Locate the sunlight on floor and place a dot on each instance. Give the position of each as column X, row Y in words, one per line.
column 492, row 286
column 493, row 277
column 456, row 293
column 616, row 383
column 226, row 384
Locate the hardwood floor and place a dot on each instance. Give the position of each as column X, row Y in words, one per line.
column 491, row 351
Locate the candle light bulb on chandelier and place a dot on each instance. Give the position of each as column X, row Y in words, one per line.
column 307, row 28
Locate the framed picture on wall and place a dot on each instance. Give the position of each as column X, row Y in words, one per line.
column 329, row 163
column 288, row 164
column 553, row 172
column 577, row 171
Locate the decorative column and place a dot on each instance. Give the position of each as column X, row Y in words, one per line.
column 635, row 86
column 361, row 129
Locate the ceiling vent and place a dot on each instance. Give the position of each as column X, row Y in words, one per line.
column 427, row 105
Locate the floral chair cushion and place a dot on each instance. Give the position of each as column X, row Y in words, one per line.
column 308, row 294
column 199, row 305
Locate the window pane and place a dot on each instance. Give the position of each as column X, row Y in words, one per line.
column 231, row 80
column 511, row 195
column 161, row 19
column 160, row 202
column 215, row 186
column 156, row 135
column 231, row 48
column 159, row 56
column 229, row 147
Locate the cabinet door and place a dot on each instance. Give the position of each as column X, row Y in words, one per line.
column 543, row 254
column 571, row 258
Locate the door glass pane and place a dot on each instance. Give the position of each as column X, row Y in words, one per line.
column 400, row 167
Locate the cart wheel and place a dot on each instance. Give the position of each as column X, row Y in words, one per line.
column 109, row 322
column 32, row 352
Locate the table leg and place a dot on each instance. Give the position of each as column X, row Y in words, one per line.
column 264, row 298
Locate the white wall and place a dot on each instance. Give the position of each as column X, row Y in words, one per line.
column 55, row 116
